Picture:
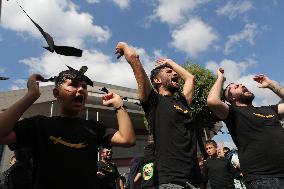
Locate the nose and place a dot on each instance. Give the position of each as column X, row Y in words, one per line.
column 80, row 89
column 174, row 73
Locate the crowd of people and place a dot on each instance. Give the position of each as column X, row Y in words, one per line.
column 64, row 148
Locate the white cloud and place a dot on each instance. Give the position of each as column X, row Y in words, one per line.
column 123, row 4
column 101, row 67
column 18, row 84
column 61, row 19
column 232, row 10
column 193, row 37
column 236, row 72
column 247, row 34
column 174, row 12
column 93, row 1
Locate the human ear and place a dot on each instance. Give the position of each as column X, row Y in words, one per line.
column 56, row 92
column 157, row 80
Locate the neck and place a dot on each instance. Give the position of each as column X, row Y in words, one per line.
column 243, row 104
column 213, row 156
column 164, row 92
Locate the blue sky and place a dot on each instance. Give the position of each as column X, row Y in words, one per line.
column 244, row 37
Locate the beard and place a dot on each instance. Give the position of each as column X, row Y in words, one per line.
column 167, row 84
column 171, row 88
column 246, row 99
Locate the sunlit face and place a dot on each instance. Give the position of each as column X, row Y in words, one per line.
column 168, row 79
column 72, row 95
column 239, row 93
column 106, row 154
column 211, row 149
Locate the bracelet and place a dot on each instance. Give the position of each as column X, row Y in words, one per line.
column 120, row 107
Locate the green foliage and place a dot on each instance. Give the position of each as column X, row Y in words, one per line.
column 204, row 80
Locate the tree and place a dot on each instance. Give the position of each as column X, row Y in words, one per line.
column 204, row 80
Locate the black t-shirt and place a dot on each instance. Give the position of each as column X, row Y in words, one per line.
column 175, row 139
column 111, row 174
column 148, row 174
column 259, row 136
column 220, row 173
column 65, row 150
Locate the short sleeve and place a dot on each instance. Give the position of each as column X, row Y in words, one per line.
column 25, row 131
column 275, row 109
column 104, row 134
column 151, row 102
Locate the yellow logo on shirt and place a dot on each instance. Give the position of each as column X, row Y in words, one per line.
column 61, row 141
column 179, row 108
column 264, row 116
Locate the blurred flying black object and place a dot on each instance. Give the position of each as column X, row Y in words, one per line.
column 81, row 73
column 4, row 78
column 104, row 89
column 62, row 50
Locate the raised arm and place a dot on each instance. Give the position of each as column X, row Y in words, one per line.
column 144, row 84
column 125, row 135
column 214, row 102
column 265, row 82
column 9, row 117
column 188, row 88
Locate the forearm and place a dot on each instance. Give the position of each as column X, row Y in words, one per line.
column 144, row 84
column 119, row 184
column 216, row 91
column 125, row 129
column 183, row 73
column 277, row 89
column 188, row 88
column 9, row 117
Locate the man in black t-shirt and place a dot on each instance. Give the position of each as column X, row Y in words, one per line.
column 108, row 175
column 218, row 170
column 169, row 117
column 64, row 147
column 256, row 131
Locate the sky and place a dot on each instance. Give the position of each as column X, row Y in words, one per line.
column 242, row 36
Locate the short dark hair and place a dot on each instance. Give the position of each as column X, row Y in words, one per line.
column 226, row 148
column 69, row 74
column 211, row 142
column 156, row 72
